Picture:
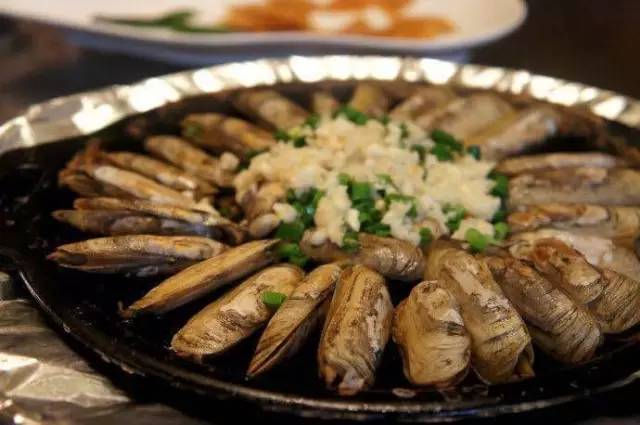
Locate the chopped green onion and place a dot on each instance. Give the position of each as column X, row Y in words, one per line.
column 500, row 215
column 360, row 191
column 446, row 139
column 281, row 136
column 425, row 236
column 500, row 230
column 501, row 188
column 397, row 197
column 474, row 151
column 291, row 253
column 353, row 115
column 299, row 142
column 455, row 214
column 442, row 152
column 312, row 121
column 273, row 299
column 404, row 131
column 350, row 241
column 344, row 179
column 421, row 150
column 291, row 196
column 192, row 130
column 379, row 229
column 385, row 119
column 291, row 232
column 315, row 198
column 385, row 179
column 477, row 241
column 179, row 20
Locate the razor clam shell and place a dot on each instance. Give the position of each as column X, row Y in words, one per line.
column 500, row 341
column 393, row 258
column 356, row 330
column 234, row 316
column 557, row 160
column 419, row 107
column 129, row 253
column 270, row 109
column 190, row 158
column 220, row 133
column 557, row 325
column 370, row 99
column 204, row 277
column 430, row 333
column 617, row 186
column 324, row 103
column 300, row 313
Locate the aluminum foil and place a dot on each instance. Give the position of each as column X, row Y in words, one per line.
column 41, row 379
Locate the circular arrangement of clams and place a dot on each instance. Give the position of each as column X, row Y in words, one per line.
column 563, row 277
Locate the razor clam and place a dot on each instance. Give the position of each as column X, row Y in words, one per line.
column 324, row 104
column 84, row 185
column 300, row 313
column 465, row 116
column 557, row 325
column 162, row 172
column 204, row 277
column 136, row 185
column 621, row 224
column 220, row 133
column 419, row 107
column 356, row 330
column 577, row 262
column 516, row 133
column 139, row 255
column 258, row 208
column 190, row 159
column 370, row 100
column 234, row 316
column 499, row 338
column 616, row 186
column 430, row 333
column 393, row 258
column 270, row 109
column 557, row 160
column 126, row 216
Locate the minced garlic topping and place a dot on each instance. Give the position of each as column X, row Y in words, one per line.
column 386, row 155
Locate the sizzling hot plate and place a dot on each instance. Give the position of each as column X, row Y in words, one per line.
column 86, row 306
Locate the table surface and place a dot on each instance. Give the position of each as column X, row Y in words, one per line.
column 583, row 40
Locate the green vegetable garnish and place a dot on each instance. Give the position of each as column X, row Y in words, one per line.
column 421, row 150
column 178, row 20
column 299, row 142
column 352, row 114
column 500, row 230
column 291, row 232
column 273, row 299
column 455, row 214
column 442, row 152
column 379, row 229
column 477, row 241
column 474, row 151
column 312, row 121
column 344, row 179
column 425, row 236
column 281, row 136
column 359, row 191
column 385, row 119
column 404, row 131
column 446, row 139
column 385, row 179
column 501, row 188
column 291, row 253
column 397, row 197
column 350, row 241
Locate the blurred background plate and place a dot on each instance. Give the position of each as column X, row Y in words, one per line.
column 476, row 22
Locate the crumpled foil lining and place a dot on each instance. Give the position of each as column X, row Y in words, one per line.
column 42, row 381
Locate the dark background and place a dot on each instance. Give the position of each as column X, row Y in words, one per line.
column 591, row 41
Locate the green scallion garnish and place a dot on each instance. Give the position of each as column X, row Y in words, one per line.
column 474, row 151
column 291, row 232
column 273, row 299
column 500, row 231
column 425, row 236
column 477, row 241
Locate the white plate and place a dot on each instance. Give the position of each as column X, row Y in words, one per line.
column 476, row 21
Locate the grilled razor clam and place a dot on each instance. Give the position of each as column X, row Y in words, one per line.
column 220, row 133
column 517, row 133
column 324, row 104
column 269, row 108
column 617, row 305
column 621, row 224
column 190, row 159
column 356, row 330
column 430, row 333
column 393, row 258
column 499, row 338
column 300, row 313
column 136, row 185
column 84, row 185
column 370, row 100
column 159, row 171
column 554, row 161
column 465, row 116
column 616, row 186
column 170, row 218
column 204, row 277
column 258, row 208
column 140, row 255
column 234, row 316
column 419, row 107
column 558, row 326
